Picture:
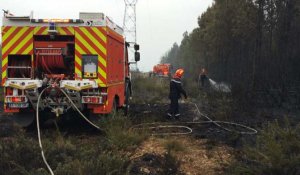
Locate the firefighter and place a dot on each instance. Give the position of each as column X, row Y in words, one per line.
column 175, row 93
column 203, row 76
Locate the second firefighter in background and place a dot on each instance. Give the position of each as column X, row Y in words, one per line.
column 175, row 93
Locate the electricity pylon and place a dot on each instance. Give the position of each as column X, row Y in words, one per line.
column 129, row 25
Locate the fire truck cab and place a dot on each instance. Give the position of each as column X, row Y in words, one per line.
column 86, row 58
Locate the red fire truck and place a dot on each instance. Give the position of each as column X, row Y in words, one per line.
column 163, row 70
column 86, row 58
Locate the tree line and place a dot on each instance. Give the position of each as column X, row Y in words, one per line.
column 254, row 45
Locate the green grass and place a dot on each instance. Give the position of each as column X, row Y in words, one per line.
column 276, row 152
column 150, row 90
column 74, row 154
column 119, row 133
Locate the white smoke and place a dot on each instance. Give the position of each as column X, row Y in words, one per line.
column 222, row 87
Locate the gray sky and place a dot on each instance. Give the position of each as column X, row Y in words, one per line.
column 160, row 23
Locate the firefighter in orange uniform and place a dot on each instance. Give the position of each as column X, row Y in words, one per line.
column 175, row 93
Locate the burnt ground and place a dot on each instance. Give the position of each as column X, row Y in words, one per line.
column 208, row 150
column 156, row 155
column 148, row 113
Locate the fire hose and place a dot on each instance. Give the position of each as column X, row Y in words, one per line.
column 50, row 60
column 38, row 124
column 39, row 133
column 189, row 130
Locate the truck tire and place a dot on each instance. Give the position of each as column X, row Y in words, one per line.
column 23, row 119
column 126, row 102
column 114, row 109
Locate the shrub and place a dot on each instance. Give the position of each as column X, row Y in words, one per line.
column 103, row 163
column 19, row 154
column 276, row 152
column 119, row 135
column 150, row 90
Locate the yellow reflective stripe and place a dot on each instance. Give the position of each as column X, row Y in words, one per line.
column 36, row 29
column 61, row 31
column 28, row 49
column 4, row 73
column 45, row 32
column 8, row 33
column 102, row 61
column 102, row 72
column 91, row 37
column 21, row 44
column 79, row 49
column 78, row 60
column 77, row 71
column 99, row 81
column 87, row 45
column 71, row 29
column 4, row 61
column 15, row 38
column 99, row 33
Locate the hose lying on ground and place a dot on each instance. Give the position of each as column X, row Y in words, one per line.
column 151, row 126
column 38, row 124
column 181, row 125
column 83, row 116
column 39, row 133
column 252, row 130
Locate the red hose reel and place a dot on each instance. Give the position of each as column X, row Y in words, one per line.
column 49, row 60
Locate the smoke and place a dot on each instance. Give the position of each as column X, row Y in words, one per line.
column 222, row 87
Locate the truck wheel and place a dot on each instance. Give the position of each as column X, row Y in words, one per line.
column 114, row 109
column 126, row 105
column 23, row 119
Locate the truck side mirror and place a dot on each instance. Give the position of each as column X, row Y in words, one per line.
column 136, row 47
column 137, row 56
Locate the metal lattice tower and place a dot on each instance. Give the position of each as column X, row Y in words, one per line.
column 129, row 22
column 129, row 25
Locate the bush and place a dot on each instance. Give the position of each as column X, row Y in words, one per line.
column 171, row 164
column 119, row 134
column 19, row 154
column 276, row 152
column 101, row 163
column 150, row 90
column 68, row 155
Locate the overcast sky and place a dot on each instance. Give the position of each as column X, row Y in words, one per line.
column 160, row 23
